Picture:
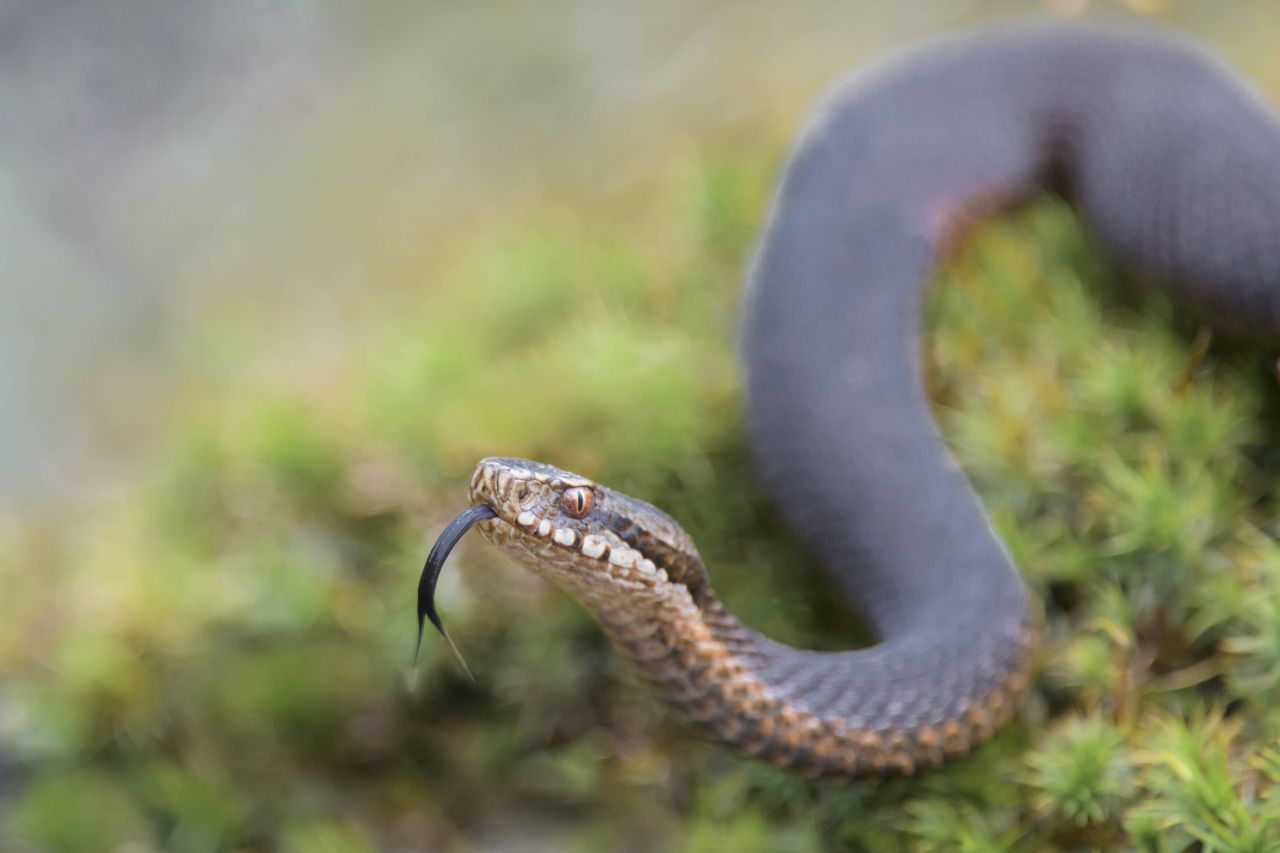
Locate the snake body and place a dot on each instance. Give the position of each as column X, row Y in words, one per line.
column 1175, row 163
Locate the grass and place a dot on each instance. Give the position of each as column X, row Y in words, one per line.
column 218, row 660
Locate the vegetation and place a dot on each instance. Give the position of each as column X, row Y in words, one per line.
column 220, row 660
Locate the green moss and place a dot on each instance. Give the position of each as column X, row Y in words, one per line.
column 221, row 661
column 72, row 810
column 1198, row 793
column 1081, row 772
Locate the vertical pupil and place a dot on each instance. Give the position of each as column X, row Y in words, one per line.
column 576, row 502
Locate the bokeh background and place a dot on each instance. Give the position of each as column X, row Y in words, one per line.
column 274, row 275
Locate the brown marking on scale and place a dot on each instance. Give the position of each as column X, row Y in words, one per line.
column 792, row 734
column 634, row 624
column 955, row 739
column 1017, row 683
column 787, row 753
column 847, row 762
column 703, row 699
column 897, row 741
column 928, row 757
column 980, row 724
column 724, row 669
column 651, row 649
column 679, row 690
column 738, row 692
column 790, row 737
column 899, row 763
column 706, row 708
column 822, row 747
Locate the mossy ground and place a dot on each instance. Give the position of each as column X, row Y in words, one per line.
column 219, row 660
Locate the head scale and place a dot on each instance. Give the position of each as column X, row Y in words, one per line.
column 596, row 543
column 606, row 549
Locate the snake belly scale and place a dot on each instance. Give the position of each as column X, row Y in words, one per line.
column 1175, row 163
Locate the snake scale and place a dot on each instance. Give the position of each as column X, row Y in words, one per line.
column 1175, row 163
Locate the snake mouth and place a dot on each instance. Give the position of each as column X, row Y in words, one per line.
column 562, row 526
column 614, row 556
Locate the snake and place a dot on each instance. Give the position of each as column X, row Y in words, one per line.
column 1173, row 161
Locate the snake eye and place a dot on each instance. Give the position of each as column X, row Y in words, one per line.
column 576, row 502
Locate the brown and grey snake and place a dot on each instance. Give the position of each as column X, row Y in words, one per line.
column 1176, row 165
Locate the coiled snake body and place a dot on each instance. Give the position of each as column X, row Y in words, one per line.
column 1177, row 166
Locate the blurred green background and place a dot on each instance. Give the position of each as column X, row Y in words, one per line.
column 274, row 276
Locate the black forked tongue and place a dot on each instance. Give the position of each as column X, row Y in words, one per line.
column 449, row 537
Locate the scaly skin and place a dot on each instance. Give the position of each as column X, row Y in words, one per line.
column 1177, row 166
column 638, row 572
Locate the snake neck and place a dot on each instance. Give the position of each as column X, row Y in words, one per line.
column 740, row 686
column 930, row 688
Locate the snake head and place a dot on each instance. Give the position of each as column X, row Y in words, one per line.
column 598, row 544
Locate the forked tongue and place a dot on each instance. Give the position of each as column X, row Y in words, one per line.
column 449, row 537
